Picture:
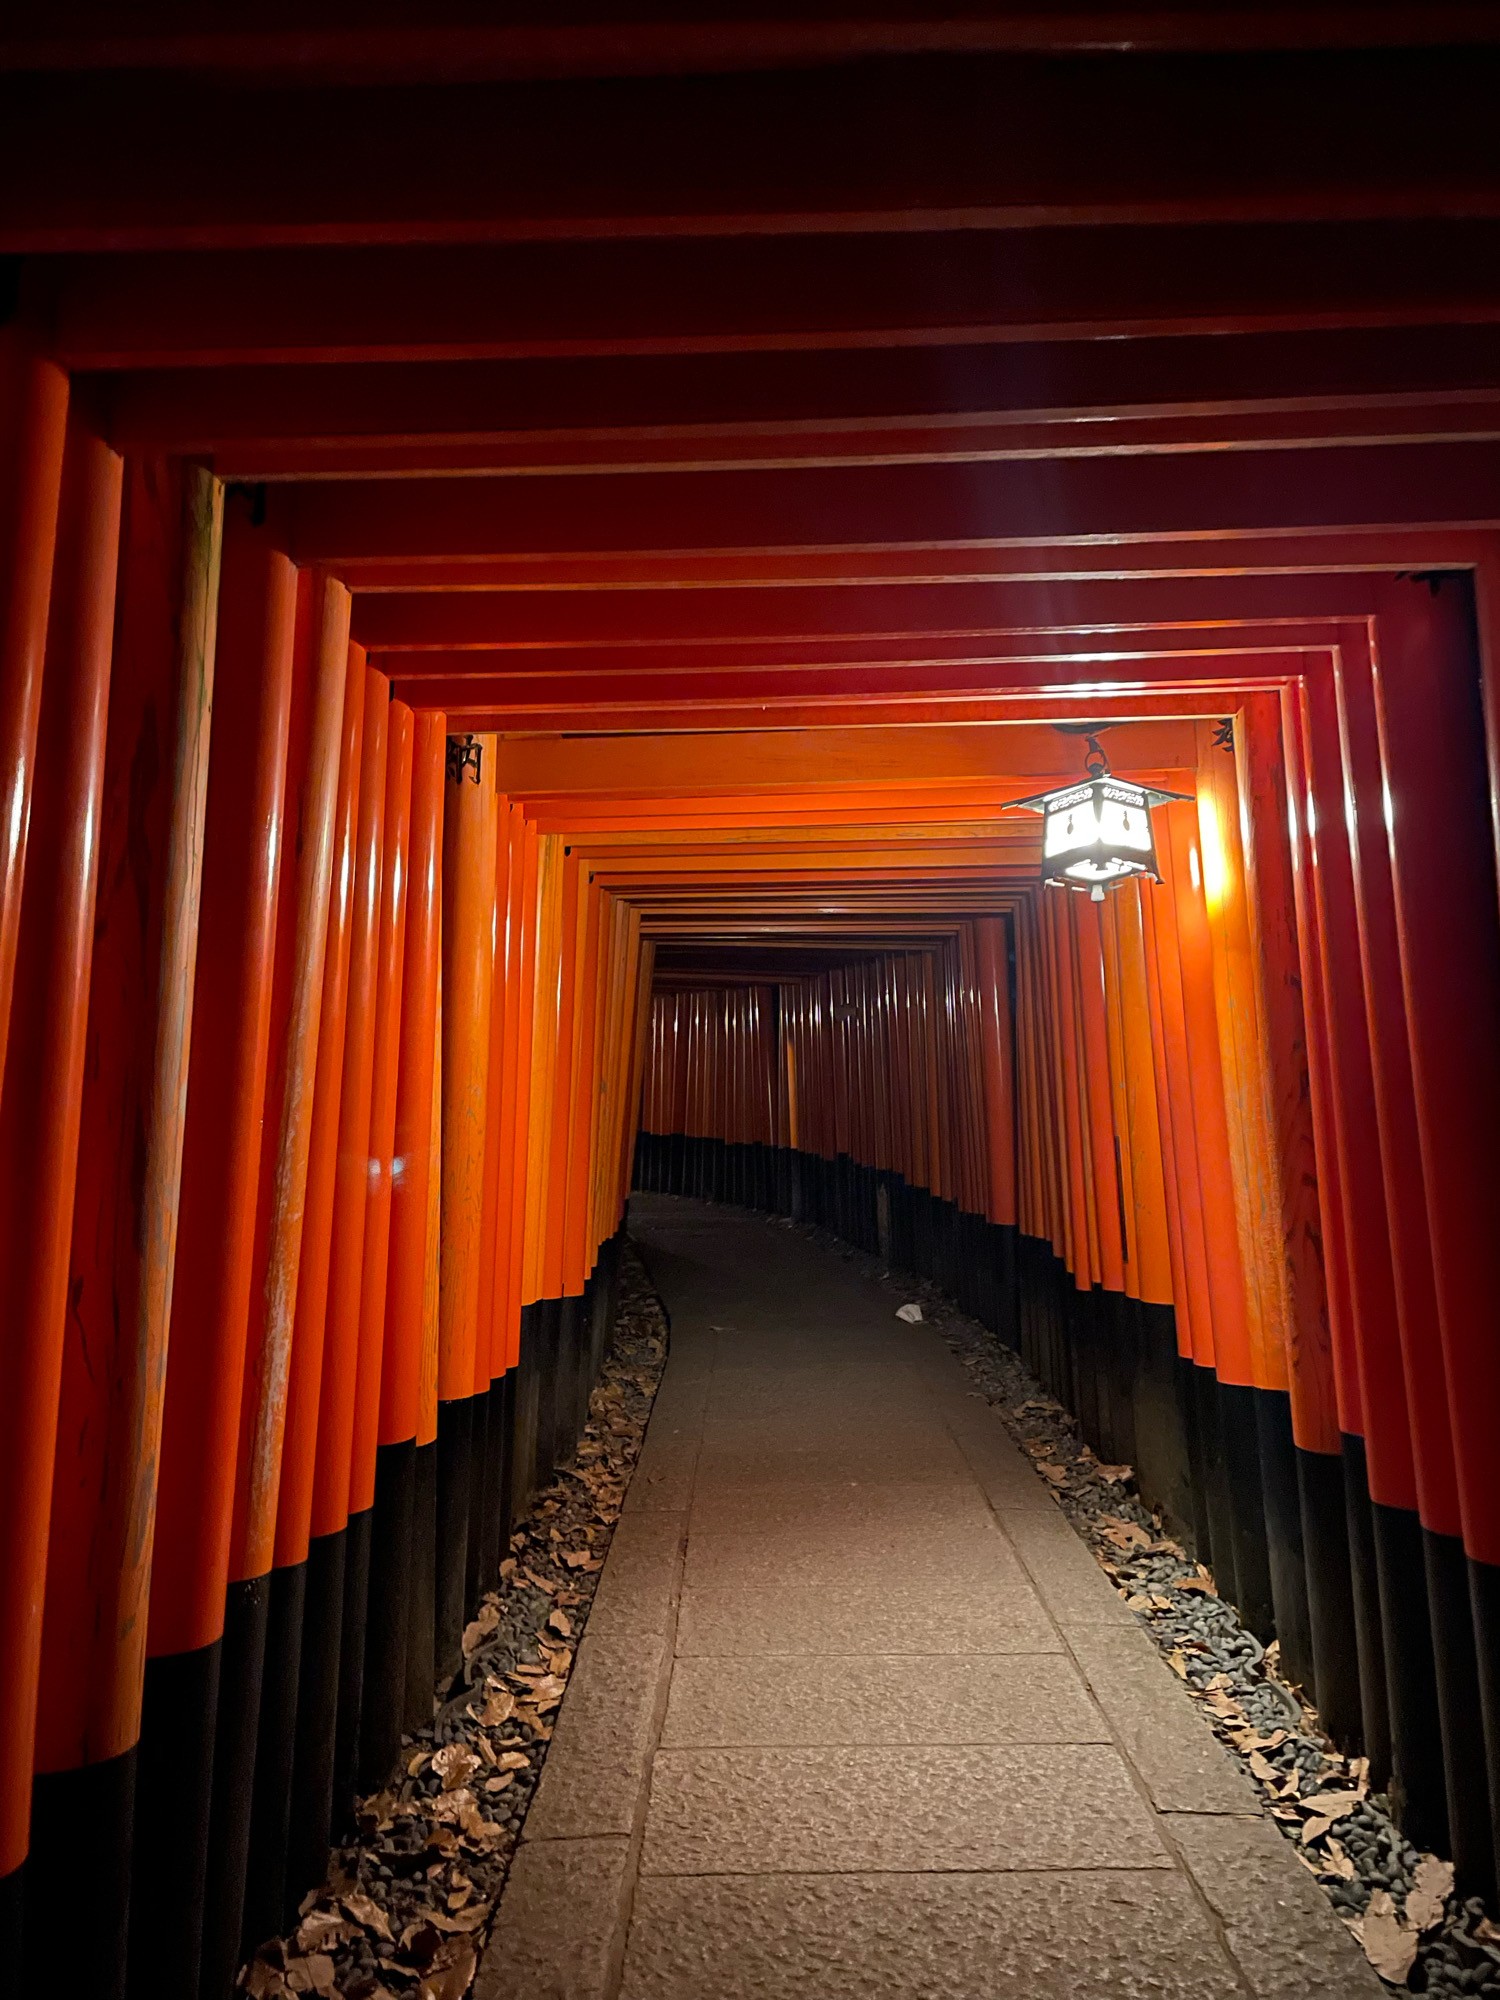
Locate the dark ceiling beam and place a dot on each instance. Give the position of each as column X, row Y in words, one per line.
column 289, row 420
column 100, row 160
column 762, row 294
column 320, row 41
column 1374, row 548
column 1077, row 501
column 529, row 625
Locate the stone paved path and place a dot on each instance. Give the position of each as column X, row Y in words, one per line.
column 858, row 1717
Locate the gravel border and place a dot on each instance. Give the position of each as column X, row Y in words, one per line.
column 408, row 1905
column 1398, row 1901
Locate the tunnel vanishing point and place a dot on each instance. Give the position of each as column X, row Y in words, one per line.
column 539, row 549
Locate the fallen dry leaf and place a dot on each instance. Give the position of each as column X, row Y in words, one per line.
column 1426, row 1900
column 454, row 1763
column 1337, row 1862
column 1117, row 1475
column 486, row 1621
column 1389, row 1946
column 561, row 1624
column 1331, row 1805
column 1056, row 1474
column 1123, row 1534
column 365, row 1910
column 451, row 1981
column 319, row 1928
column 461, row 1920
column 500, row 1707
column 313, row 1974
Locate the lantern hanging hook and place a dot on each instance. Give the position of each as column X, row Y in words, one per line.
column 1094, row 760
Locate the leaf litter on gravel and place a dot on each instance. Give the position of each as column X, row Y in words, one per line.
column 410, row 1898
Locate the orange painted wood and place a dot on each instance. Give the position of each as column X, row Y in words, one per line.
column 1430, row 712
column 301, row 944
column 416, row 1165
column 1240, row 1012
column 1180, row 859
column 47, row 1382
column 390, row 967
column 33, row 429
column 332, row 1466
column 469, row 859
column 305, row 1378
column 135, row 1075
column 1271, row 903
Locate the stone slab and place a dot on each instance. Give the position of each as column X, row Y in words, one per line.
column 924, row 1504
column 1068, row 1580
column 594, row 1779
column 559, row 1934
column 1182, row 1763
column 897, row 1699
column 1123, row 1936
column 1277, row 1922
column 754, row 1464
column 745, row 1812
column 852, row 1554
column 910, row 1617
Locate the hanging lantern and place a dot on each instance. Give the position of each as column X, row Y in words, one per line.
column 1097, row 833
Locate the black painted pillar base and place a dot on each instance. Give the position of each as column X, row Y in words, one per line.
column 421, row 1616
column 352, row 1665
column 275, row 1750
column 479, row 1451
column 247, row 1607
column 1284, row 1537
column 383, row 1700
column 455, row 1473
column 1216, row 1482
column 1419, row 1794
column 504, row 1456
column 1337, row 1682
column 1456, row 1666
column 1367, row 1617
column 1187, row 1402
column 544, row 1351
column 526, row 1405
column 1240, row 1443
column 173, row 1794
column 77, row 1877
column 309, row 1839
column 12, row 1931
column 1484, row 1606
column 489, row 1466
column 1166, row 1476
column 565, row 1380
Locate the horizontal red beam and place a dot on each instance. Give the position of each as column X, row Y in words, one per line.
column 764, row 293
column 919, row 507
column 77, row 35
column 110, row 160
column 275, row 420
column 527, row 625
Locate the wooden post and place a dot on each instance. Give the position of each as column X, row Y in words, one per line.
column 85, row 1754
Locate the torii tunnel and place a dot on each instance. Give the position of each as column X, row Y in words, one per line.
column 535, row 558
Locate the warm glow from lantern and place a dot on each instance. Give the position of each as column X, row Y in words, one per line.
column 1215, row 858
